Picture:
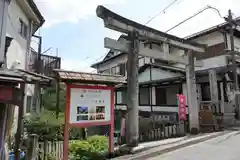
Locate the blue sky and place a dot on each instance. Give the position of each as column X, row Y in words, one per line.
column 73, row 27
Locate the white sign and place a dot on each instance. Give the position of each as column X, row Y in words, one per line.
column 89, row 105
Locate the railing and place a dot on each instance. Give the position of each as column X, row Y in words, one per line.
column 44, row 65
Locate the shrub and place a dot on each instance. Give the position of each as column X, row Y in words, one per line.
column 98, row 143
column 90, row 149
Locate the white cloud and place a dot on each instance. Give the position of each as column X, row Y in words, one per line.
column 76, row 65
column 58, row 11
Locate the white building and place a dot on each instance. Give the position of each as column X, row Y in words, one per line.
column 160, row 81
column 23, row 20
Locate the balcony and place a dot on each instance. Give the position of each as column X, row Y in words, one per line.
column 44, row 65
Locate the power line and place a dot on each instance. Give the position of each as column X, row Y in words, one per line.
column 161, row 12
column 194, row 15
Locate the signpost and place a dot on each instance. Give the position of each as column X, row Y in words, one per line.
column 88, row 106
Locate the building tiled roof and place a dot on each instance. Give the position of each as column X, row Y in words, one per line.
column 83, row 77
column 36, row 11
column 161, row 66
column 18, row 75
column 209, row 30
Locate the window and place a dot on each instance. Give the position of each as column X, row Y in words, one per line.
column 118, row 97
column 23, row 29
column 206, row 92
column 141, row 61
column 29, row 104
column 205, row 88
column 115, row 70
column 161, row 98
column 107, row 71
column 121, row 97
column 122, row 69
column 144, row 96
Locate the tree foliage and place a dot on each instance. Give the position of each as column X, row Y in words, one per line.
column 46, row 124
column 50, row 98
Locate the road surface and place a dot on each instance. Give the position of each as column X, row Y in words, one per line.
column 220, row 148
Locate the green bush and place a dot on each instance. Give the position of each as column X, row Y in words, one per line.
column 90, row 149
column 98, row 143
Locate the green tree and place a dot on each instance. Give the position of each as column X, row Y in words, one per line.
column 50, row 98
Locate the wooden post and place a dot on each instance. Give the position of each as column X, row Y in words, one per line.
column 222, row 97
column 32, row 147
column 214, row 94
column 213, row 88
column 132, row 92
column 20, row 123
column 3, row 123
column 57, row 98
column 45, row 149
column 193, row 107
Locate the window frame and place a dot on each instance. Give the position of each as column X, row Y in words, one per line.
column 114, row 70
column 29, row 104
column 165, row 95
column 148, row 96
column 23, row 31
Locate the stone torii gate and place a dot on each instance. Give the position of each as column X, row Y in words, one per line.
column 138, row 33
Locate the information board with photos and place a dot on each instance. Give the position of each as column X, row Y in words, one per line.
column 89, row 105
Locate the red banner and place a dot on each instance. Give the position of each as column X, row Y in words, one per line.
column 10, row 95
column 182, row 110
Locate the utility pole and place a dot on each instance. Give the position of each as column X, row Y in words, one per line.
column 132, row 91
column 38, row 68
column 37, row 89
column 3, row 27
column 234, row 64
column 18, row 135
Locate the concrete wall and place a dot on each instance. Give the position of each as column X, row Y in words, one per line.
column 157, row 74
column 210, row 39
column 213, row 62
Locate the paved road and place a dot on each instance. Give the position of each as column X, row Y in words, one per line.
column 221, row 148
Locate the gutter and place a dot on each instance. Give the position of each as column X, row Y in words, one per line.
column 36, row 11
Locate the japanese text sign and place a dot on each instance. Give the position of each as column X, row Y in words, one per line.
column 182, row 110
